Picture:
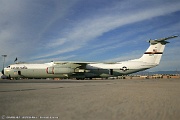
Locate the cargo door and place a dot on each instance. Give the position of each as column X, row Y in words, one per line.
column 110, row 71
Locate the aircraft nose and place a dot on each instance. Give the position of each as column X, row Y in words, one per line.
column 2, row 71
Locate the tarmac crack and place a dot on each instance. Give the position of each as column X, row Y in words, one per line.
column 18, row 90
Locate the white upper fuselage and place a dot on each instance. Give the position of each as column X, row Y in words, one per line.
column 129, row 64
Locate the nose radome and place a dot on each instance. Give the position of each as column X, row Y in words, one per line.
column 2, row 71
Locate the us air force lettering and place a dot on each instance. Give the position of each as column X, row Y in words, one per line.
column 81, row 70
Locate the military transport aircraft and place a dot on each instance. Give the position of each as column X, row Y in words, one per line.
column 82, row 70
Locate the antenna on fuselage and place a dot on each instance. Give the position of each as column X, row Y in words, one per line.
column 15, row 59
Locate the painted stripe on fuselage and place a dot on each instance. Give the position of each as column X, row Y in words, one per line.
column 153, row 53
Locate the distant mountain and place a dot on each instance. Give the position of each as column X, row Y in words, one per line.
column 167, row 72
column 157, row 72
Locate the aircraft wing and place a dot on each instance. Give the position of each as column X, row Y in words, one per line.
column 81, row 63
column 73, row 64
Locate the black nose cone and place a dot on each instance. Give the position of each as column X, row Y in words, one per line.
column 2, row 71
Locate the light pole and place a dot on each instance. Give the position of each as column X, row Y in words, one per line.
column 4, row 56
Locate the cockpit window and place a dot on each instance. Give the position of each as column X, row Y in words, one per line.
column 8, row 66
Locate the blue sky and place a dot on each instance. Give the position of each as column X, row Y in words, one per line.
column 88, row 30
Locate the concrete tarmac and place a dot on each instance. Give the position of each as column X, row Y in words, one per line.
column 147, row 99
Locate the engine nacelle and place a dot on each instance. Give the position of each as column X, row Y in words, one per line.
column 59, row 70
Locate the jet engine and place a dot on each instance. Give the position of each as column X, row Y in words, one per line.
column 59, row 70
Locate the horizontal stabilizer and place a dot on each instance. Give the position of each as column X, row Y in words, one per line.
column 162, row 40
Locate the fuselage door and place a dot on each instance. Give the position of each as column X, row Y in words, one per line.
column 19, row 72
column 110, row 71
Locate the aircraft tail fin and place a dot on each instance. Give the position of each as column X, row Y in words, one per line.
column 154, row 53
